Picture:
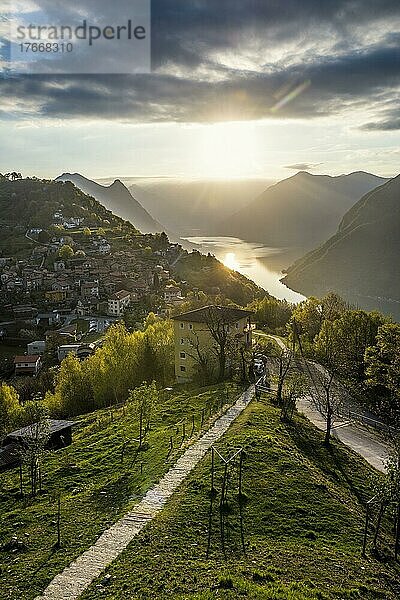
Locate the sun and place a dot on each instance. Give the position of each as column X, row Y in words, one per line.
column 226, row 150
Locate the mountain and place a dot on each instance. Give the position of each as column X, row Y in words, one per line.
column 361, row 261
column 301, row 211
column 118, row 199
column 194, row 208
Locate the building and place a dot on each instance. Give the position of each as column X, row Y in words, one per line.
column 30, row 364
column 118, row 303
column 37, row 348
column 56, row 295
column 63, row 351
column 172, row 294
column 193, row 332
column 59, row 433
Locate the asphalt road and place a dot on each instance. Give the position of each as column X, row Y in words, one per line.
column 360, row 439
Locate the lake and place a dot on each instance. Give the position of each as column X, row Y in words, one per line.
column 258, row 262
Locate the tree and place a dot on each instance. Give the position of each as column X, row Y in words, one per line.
column 87, row 232
column 73, row 392
column 142, row 401
column 293, row 389
column 383, row 369
column 328, row 396
column 35, row 440
column 224, row 346
column 10, row 409
column 44, row 237
column 65, row 252
column 311, row 314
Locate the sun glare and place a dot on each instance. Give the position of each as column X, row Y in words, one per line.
column 227, row 150
column 230, row 261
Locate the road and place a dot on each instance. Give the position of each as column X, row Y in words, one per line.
column 366, row 443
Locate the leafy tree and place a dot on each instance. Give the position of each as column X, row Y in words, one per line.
column 87, row 232
column 328, row 397
column 65, row 252
column 294, row 388
column 44, row 237
column 311, row 314
column 383, row 369
column 271, row 313
column 142, row 401
column 10, row 409
column 73, row 392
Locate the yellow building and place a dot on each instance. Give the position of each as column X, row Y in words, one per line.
column 200, row 334
column 56, row 295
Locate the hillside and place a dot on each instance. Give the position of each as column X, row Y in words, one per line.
column 195, row 207
column 361, row 261
column 27, row 204
column 118, row 199
column 303, row 510
column 99, row 477
column 301, row 211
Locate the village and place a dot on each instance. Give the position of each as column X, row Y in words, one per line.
column 75, row 283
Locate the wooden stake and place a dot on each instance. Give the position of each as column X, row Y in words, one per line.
column 365, row 532
column 397, row 541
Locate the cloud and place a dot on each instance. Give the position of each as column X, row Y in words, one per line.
column 303, row 166
column 232, row 60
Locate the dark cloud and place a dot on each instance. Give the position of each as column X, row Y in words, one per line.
column 335, row 64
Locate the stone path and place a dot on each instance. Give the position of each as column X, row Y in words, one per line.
column 73, row 581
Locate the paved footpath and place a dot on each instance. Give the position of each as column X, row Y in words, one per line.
column 73, row 581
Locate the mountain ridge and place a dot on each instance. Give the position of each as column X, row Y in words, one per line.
column 300, row 211
column 117, row 198
column 360, row 261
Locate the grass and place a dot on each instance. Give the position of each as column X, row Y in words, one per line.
column 96, row 486
column 303, row 513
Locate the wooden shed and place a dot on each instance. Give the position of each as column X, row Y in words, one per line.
column 60, row 433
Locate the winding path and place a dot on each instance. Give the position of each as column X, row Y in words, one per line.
column 73, row 581
column 363, row 441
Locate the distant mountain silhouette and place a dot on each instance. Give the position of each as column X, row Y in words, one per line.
column 117, row 198
column 361, row 261
column 195, row 207
column 301, row 211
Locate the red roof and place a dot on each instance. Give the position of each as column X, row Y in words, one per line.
column 29, row 358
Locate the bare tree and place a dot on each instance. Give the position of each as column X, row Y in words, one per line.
column 34, row 442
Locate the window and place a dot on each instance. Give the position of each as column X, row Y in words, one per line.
column 183, row 369
column 183, row 355
column 182, row 341
column 237, row 325
column 182, row 325
column 190, row 326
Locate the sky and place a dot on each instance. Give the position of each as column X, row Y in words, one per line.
column 249, row 88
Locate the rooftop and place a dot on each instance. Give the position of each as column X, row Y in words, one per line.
column 225, row 314
column 28, row 358
column 29, row 431
column 120, row 295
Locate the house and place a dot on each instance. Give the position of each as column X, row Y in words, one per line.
column 56, row 295
column 63, row 351
column 90, row 289
column 48, row 319
column 37, row 348
column 193, row 332
column 59, row 432
column 172, row 294
column 118, row 303
column 30, row 364
column 104, row 248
